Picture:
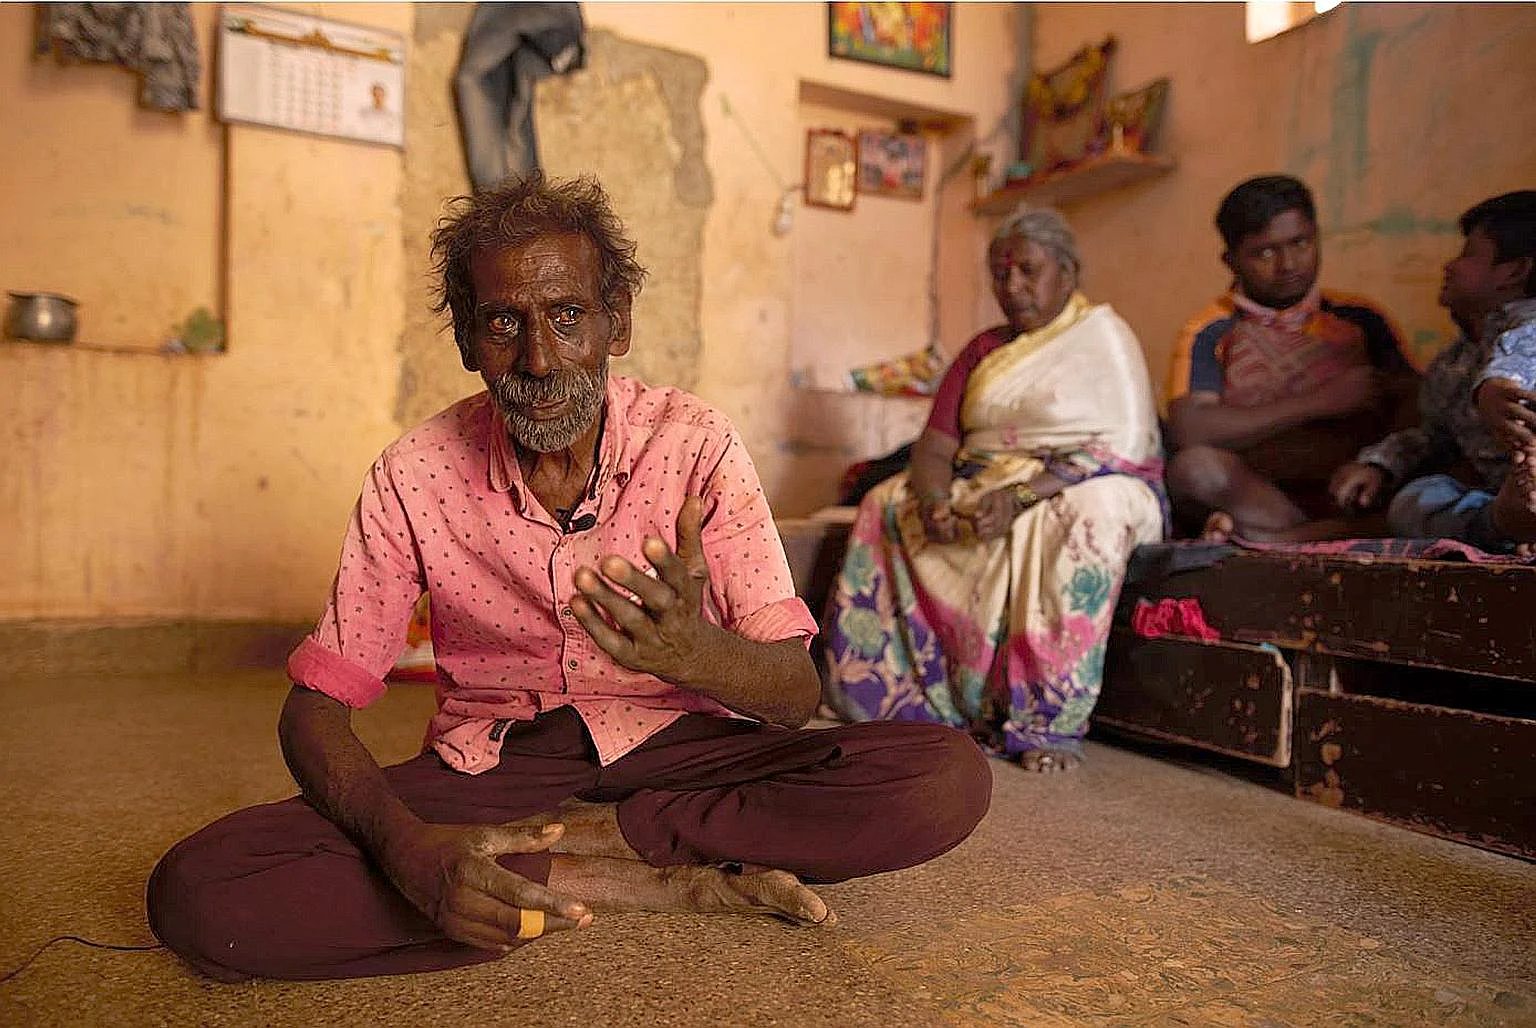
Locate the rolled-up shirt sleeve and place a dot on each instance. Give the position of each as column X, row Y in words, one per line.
column 1514, row 358
column 750, row 582
column 378, row 582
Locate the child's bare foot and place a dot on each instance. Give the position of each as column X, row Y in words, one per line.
column 1218, row 527
column 1514, row 508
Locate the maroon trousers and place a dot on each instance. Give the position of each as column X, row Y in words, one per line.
column 277, row 891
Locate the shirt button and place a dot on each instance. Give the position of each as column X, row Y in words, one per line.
column 573, row 665
column 567, row 613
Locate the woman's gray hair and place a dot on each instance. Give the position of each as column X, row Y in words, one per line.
column 1046, row 227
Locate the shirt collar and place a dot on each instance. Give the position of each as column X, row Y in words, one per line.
column 506, row 474
column 1511, row 315
column 1292, row 317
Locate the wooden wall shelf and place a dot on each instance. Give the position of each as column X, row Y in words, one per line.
column 1068, row 185
column 132, row 351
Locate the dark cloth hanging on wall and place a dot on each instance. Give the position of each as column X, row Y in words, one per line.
column 508, row 48
column 155, row 40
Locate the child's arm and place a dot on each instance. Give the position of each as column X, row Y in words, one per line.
column 1505, row 392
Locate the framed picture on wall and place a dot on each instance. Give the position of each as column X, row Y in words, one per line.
column 1064, row 117
column 1134, row 117
column 913, row 36
column 892, row 164
column 831, row 169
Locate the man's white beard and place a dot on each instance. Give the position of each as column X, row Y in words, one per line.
column 584, row 389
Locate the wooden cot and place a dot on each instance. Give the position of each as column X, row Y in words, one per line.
column 1403, row 689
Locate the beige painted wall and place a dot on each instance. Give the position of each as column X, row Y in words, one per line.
column 860, row 277
column 216, row 486
column 107, row 200
column 1399, row 116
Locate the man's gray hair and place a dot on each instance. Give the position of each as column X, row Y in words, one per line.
column 1046, row 227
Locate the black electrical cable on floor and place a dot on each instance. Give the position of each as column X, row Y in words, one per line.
column 71, row 938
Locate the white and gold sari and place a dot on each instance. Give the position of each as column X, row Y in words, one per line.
column 1006, row 637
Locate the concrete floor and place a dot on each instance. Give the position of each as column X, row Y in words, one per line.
column 1135, row 892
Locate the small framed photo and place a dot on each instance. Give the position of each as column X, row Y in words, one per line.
column 831, row 169
column 1135, row 117
column 892, row 164
column 913, row 36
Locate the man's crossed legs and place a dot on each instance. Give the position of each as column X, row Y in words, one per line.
column 710, row 814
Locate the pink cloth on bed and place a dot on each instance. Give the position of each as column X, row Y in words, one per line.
column 1170, row 616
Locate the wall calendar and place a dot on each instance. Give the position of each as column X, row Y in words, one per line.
column 309, row 74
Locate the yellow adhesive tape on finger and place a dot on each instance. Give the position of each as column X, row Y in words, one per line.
column 530, row 923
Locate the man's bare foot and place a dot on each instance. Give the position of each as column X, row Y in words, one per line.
column 1049, row 761
column 591, row 830
column 753, row 890
column 628, row 885
column 1218, row 527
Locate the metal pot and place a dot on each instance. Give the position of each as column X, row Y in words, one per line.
column 46, row 317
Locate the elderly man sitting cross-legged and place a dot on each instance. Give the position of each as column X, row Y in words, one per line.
column 622, row 659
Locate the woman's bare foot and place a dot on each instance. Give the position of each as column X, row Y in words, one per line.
column 628, row 885
column 1218, row 527
column 1049, row 761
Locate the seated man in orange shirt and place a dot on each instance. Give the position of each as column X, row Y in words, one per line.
column 1278, row 383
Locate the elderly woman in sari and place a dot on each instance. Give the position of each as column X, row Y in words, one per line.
column 980, row 584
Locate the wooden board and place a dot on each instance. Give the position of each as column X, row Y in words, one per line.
column 1457, row 774
column 815, row 548
column 1228, row 697
column 1093, row 176
column 1463, row 617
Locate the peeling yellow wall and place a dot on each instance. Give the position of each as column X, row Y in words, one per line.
column 213, row 486
column 1400, row 116
column 218, row 486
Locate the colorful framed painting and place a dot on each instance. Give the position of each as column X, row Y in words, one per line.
column 892, row 164
column 915, row 36
column 831, row 169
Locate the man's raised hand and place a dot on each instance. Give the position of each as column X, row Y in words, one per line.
column 665, row 632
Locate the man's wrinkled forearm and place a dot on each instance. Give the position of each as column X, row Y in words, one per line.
column 337, row 774
column 774, row 682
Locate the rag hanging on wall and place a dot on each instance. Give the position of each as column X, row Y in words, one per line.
column 507, row 49
column 156, row 41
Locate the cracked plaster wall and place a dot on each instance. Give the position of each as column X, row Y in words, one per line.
column 630, row 117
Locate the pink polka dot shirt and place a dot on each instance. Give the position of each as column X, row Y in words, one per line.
column 444, row 511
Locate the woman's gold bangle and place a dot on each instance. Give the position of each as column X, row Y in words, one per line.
column 1026, row 496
